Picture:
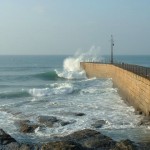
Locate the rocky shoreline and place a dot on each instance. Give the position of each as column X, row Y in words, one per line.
column 86, row 139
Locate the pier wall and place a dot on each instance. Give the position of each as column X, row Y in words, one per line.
column 134, row 88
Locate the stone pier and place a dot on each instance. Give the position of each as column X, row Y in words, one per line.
column 134, row 88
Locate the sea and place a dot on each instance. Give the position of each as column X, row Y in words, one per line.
column 55, row 85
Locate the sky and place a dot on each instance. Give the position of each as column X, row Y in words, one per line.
column 48, row 27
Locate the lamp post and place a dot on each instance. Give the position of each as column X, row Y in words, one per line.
column 112, row 44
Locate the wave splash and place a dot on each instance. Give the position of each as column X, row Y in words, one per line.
column 72, row 69
column 71, row 65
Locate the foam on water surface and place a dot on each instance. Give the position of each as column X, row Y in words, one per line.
column 96, row 98
column 64, row 93
column 63, row 88
column 96, row 105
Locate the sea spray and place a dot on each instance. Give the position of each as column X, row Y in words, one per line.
column 72, row 69
column 71, row 65
column 92, row 55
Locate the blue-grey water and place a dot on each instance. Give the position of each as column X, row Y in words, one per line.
column 33, row 86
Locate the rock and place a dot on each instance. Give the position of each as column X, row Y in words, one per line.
column 25, row 147
column 145, row 121
column 7, row 142
column 62, row 145
column 79, row 114
column 10, row 146
column 73, row 113
column 86, row 139
column 91, row 139
column 64, row 123
column 48, row 120
column 27, row 127
column 5, row 138
column 125, row 145
column 99, row 123
column 144, row 146
column 138, row 112
column 28, row 147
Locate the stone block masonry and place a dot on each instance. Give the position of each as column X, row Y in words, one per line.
column 134, row 88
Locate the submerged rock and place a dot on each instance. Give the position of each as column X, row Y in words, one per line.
column 64, row 123
column 79, row 114
column 29, row 147
column 145, row 121
column 86, row 139
column 7, row 142
column 138, row 112
column 10, row 146
column 27, row 127
column 99, row 123
column 70, row 113
column 48, row 120
column 125, row 145
column 91, row 139
column 62, row 145
column 5, row 138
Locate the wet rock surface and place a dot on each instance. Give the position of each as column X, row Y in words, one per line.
column 29, row 147
column 125, row 145
column 49, row 121
column 64, row 123
column 5, row 138
column 62, row 145
column 27, row 127
column 91, row 139
column 145, row 121
column 98, row 123
column 79, row 114
column 86, row 139
column 10, row 146
column 7, row 142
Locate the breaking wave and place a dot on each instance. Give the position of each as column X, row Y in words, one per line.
column 63, row 88
column 51, row 75
column 55, row 89
column 71, row 65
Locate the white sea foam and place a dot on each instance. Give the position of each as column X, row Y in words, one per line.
column 96, row 98
column 62, row 88
column 72, row 74
column 99, row 101
column 6, row 121
column 71, row 66
column 72, row 69
column 39, row 92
